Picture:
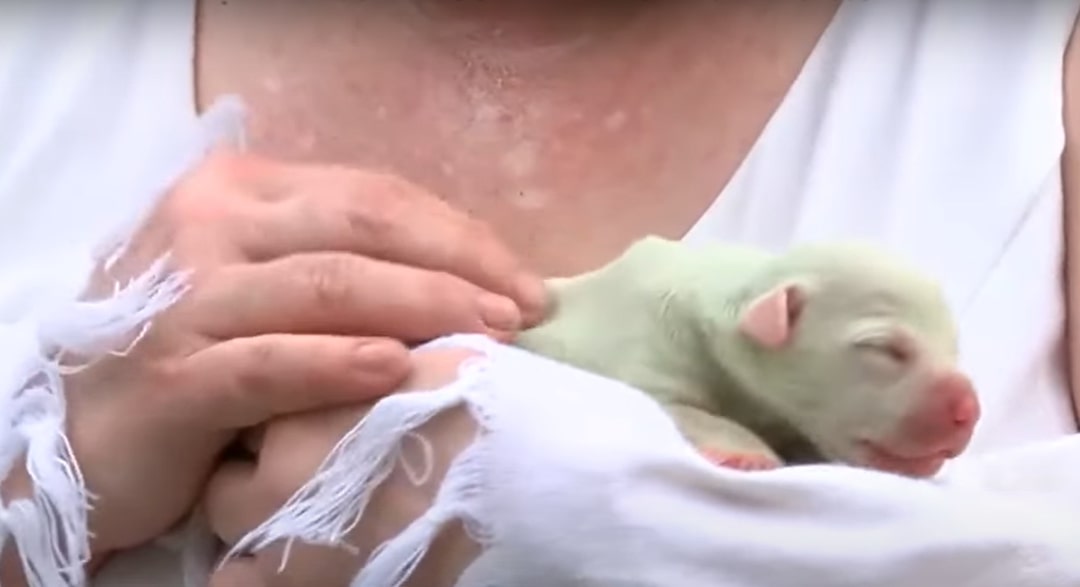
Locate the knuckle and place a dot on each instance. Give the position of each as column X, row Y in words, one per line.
column 379, row 200
column 199, row 195
column 188, row 205
column 383, row 204
column 327, row 279
column 375, row 223
column 170, row 375
column 251, row 368
column 260, row 352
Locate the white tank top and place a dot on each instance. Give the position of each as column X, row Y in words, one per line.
column 934, row 127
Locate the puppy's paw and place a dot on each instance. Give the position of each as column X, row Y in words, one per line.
column 742, row 461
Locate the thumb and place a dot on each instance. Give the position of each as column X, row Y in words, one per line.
column 238, row 572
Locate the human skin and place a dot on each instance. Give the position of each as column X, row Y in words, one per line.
column 280, row 318
column 516, row 126
column 595, row 151
column 291, row 450
column 513, row 83
column 386, row 77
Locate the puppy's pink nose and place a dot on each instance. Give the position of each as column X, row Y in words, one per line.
column 944, row 418
column 964, row 404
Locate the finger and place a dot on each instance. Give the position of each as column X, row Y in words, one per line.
column 251, row 380
column 346, row 294
column 239, row 572
column 234, row 503
column 434, row 368
column 387, row 218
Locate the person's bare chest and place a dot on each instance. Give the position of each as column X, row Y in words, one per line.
column 570, row 149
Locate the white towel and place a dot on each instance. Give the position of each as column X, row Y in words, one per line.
column 580, row 481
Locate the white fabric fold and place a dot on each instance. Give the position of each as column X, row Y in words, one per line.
column 576, row 480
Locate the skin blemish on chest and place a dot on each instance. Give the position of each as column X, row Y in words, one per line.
column 530, row 199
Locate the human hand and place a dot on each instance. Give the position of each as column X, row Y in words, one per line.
column 306, row 282
column 289, row 450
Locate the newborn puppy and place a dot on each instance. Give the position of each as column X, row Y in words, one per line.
column 833, row 352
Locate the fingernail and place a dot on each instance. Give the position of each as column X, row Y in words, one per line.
column 499, row 313
column 377, row 353
column 534, row 297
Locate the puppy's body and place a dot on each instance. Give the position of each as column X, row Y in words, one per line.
column 830, row 352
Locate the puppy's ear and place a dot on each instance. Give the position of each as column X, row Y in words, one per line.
column 771, row 318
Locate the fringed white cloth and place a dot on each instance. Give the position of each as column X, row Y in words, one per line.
column 44, row 326
column 49, row 528
column 578, row 481
column 332, row 502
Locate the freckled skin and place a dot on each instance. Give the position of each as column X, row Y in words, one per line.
column 635, row 115
column 826, row 353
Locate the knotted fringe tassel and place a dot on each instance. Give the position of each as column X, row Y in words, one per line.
column 394, row 561
column 330, row 505
column 49, row 527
